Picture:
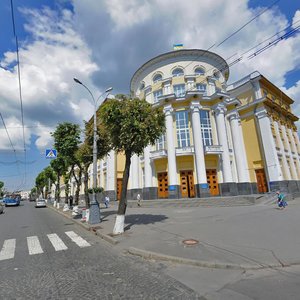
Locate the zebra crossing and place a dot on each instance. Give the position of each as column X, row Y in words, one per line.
column 34, row 245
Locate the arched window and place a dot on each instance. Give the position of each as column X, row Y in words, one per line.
column 177, row 72
column 199, row 71
column 157, row 78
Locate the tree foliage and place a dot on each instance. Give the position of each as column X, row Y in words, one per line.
column 1, row 188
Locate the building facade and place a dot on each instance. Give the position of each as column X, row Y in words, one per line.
column 220, row 139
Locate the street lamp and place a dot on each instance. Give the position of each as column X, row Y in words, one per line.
column 94, row 217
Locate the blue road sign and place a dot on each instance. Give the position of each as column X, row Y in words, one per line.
column 51, row 153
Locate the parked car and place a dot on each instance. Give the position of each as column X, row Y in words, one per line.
column 40, row 203
column 12, row 201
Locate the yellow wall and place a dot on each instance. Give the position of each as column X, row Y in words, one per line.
column 251, row 141
column 246, row 97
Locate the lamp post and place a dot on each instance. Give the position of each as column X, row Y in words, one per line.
column 94, row 216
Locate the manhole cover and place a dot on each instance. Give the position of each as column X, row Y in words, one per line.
column 190, row 242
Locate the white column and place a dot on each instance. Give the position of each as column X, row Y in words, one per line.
column 211, row 88
column 297, row 142
column 222, row 136
column 110, row 171
column 147, row 167
column 134, row 172
column 285, row 167
column 292, row 164
column 295, row 150
column 239, row 148
column 172, row 169
column 198, row 143
column 270, row 153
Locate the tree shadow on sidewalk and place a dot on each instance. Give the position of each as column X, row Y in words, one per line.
column 143, row 219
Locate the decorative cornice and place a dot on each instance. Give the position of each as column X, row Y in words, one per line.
column 219, row 109
column 195, row 106
column 168, row 110
column 234, row 116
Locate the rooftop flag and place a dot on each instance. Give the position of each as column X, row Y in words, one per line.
column 177, row 46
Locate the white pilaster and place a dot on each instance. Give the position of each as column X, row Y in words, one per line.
column 172, row 169
column 257, row 90
column 292, row 163
column 147, row 167
column 134, row 172
column 270, row 153
column 222, row 136
column 198, row 144
column 285, row 167
column 111, row 171
column 294, row 150
column 239, row 148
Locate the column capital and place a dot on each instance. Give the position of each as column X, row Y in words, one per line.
column 195, row 106
column 168, row 110
column 220, row 108
column 234, row 116
column 262, row 114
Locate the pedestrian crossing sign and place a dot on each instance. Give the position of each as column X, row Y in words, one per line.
column 51, row 153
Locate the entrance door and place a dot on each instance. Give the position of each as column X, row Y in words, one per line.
column 187, row 184
column 212, row 181
column 262, row 184
column 162, row 179
column 119, row 188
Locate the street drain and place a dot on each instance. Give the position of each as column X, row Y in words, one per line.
column 190, row 242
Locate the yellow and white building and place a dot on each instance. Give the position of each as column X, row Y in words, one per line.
column 220, row 139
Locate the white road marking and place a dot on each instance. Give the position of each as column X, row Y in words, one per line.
column 56, row 242
column 34, row 246
column 77, row 239
column 8, row 249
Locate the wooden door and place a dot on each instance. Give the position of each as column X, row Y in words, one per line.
column 162, row 179
column 261, row 180
column 212, row 181
column 119, row 188
column 187, row 184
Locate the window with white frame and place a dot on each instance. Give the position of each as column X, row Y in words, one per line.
column 156, row 95
column 177, row 72
column 157, row 78
column 182, row 129
column 201, row 87
column 161, row 143
column 179, row 90
column 199, row 71
column 206, row 130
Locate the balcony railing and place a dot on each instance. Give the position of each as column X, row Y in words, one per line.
column 184, row 150
column 158, row 154
column 213, row 149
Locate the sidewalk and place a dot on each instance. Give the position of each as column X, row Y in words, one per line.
column 236, row 237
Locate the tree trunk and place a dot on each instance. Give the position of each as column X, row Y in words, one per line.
column 78, row 185
column 120, row 220
column 85, row 183
column 58, row 188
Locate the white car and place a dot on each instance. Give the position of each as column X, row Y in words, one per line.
column 40, row 203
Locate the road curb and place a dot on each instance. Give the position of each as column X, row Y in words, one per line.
column 199, row 263
column 98, row 232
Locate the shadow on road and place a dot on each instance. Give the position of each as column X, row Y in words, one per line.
column 142, row 219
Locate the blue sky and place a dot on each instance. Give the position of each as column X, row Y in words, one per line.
column 103, row 42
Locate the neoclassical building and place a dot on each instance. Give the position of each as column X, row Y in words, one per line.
column 220, row 139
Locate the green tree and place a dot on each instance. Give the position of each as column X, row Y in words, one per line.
column 1, row 188
column 131, row 125
column 66, row 142
column 40, row 183
column 51, row 178
column 59, row 167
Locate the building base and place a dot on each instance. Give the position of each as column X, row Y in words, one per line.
column 228, row 189
column 173, row 191
column 132, row 194
column 285, row 186
column 149, row 193
column 111, row 194
column 244, row 188
column 202, row 190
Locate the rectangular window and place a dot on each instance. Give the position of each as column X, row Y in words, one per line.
column 182, row 129
column 156, row 95
column 206, row 130
column 179, row 90
column 201, row 87
column 161, row 143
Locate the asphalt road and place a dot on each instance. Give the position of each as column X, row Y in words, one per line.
column 41, row 259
